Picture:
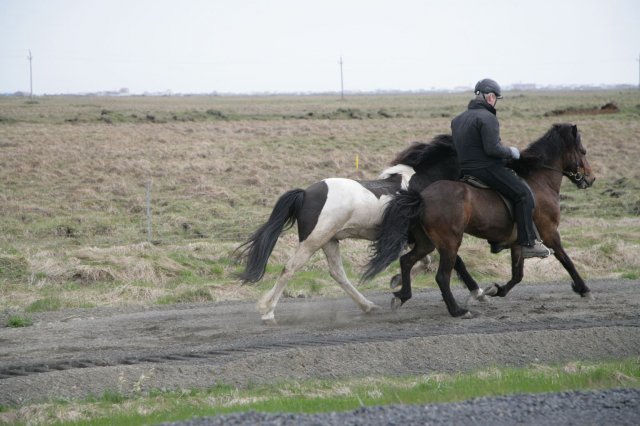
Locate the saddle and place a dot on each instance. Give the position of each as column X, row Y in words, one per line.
column 497, row 247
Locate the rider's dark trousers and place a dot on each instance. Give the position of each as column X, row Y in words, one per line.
column 506, row 182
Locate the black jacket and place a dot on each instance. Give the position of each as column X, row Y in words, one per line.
column 476, row 136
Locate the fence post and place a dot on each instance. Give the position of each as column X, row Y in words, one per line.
column 148, row 188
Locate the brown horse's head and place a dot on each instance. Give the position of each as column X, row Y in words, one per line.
column 574, row 162
column 560, row 149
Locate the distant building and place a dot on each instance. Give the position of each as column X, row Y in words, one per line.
column 524, row 86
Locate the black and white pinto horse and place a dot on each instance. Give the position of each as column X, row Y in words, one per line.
column 338, row 208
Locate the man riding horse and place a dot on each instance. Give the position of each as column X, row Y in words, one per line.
column 476, row 135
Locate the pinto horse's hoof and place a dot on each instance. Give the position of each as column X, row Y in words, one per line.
column 395, row 281
column 270, row 322
column 371, row 308
column 269, row 319
column 396, row 303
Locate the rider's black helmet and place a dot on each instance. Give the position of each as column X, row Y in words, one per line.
column 488, row 86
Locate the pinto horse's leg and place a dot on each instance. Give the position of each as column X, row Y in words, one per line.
column 267, row 304
column 517, row 273
column 336, row 269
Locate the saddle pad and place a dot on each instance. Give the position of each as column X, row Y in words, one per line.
column 474, row 181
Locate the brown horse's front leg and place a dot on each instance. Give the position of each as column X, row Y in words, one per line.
column 517, row 273
column 578, row 285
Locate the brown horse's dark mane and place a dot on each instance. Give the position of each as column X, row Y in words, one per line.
column 553, row 144
column 550, row 146
column 421, row 154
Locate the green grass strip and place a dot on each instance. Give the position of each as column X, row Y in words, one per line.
column 315, row 396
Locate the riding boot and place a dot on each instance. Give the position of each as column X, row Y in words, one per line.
column 537, row 249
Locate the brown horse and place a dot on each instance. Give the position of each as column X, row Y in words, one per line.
column 440, row 215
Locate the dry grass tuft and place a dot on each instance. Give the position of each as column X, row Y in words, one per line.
column 135, row 263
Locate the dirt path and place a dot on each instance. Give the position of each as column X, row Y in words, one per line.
column 77, row 353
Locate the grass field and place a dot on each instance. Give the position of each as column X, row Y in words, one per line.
column 76, row 173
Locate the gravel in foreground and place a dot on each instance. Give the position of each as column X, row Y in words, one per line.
column 606, row 407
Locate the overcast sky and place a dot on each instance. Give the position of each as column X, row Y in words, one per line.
column 247, row 46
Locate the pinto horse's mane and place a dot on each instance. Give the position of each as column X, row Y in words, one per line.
column 553, row 144
column 421, row 154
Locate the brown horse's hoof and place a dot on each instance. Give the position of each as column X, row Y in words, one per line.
column 395, row 281
column 588, row 296
column 491, row 290
column 462, row 313
column 395, row 303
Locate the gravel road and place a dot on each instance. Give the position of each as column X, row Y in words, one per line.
column 619, row 407
column 82, row 352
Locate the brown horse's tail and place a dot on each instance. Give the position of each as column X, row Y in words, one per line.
column 256, row 250
column 393, row 233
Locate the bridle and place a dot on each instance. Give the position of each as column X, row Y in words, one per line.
column 576, row 177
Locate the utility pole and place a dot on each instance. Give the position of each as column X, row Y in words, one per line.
column 341, row 81
column 30, row 76
column 638, row 72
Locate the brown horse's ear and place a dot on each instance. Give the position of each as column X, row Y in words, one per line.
column 574, row 131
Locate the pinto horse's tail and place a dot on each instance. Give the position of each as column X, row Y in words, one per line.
column 256, row 250
column 393, row 232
